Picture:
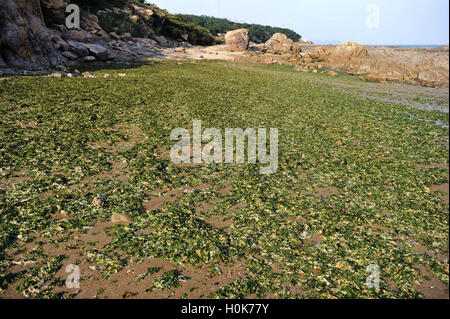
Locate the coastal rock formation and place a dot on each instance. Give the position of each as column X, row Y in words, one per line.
column 25, row 41
column 147, row 22
column 279, row 44
column 346, row 51
column 34, row 35
column 417, row 66
column 237, row 40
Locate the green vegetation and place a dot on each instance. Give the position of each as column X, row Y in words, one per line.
column 162, row 22
column 258, row 33
column 123, row 23
column 176, row 28
column 354, row 187
column 201, row 30
column 101, row 4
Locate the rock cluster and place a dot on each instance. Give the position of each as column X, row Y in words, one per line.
column 420, row 66
column 346, row 51
column 33, row 35
column 92, row 43
column 426, row 67
column 24, row 39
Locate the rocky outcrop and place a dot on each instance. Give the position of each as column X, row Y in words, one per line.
column 145, row 23
column 381, row 64
column 425, row 67
column 279, row 44
column 237, row 40
column 92, row 43
column 351, row 50
column 344, row 52
column 33, row 34
column 25, row 41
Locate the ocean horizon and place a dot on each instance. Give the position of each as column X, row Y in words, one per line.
column 408, row 45
column 387, row 45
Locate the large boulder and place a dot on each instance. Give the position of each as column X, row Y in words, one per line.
column 25, row 41
column 279, row 44
column 237, row 40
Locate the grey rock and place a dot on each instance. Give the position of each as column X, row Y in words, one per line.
column 70, row 55
column 24, row 39
column 160, row 39
column 100, row 52
column 78, row 48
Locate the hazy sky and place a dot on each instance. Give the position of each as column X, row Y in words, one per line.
column 399, row 22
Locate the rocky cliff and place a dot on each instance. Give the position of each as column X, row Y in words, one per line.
column 25, row 40
column 33, row 33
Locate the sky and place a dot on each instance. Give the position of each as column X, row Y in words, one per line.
column 388, row 22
